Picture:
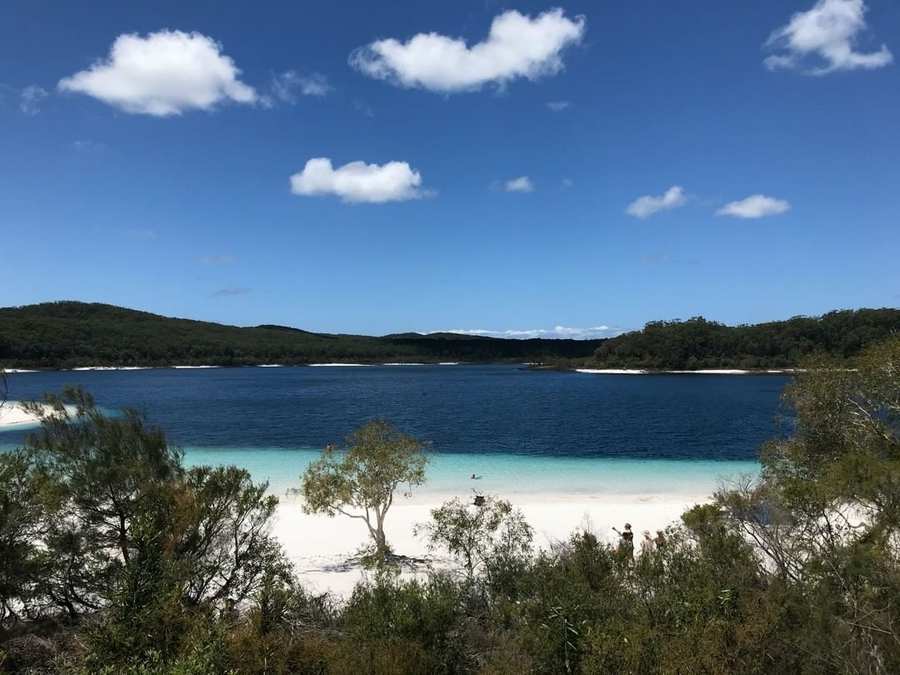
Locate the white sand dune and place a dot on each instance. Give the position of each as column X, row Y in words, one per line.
column 320, row 546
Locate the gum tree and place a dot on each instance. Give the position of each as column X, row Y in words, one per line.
column 361, row 479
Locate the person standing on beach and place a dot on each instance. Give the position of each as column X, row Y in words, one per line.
column 626, row 543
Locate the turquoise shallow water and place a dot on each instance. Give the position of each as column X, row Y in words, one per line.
column 506, row 474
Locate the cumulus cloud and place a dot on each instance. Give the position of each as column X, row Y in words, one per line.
column 517, row 46
column 646, row 206
column 520, row 184
column 822, row 40
column 558, row 106
column 754, row 206
column 289, row 86
column 165, row 73
column 557, row 332
column 30, row 99
column 358, row 181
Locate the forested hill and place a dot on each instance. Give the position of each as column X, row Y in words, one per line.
column 70, row 334
column 698, row 343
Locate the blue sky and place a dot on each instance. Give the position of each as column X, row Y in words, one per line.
column 503, row 177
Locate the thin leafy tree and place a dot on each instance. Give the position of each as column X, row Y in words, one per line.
column 362, row 479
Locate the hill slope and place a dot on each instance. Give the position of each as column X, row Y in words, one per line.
column 70, row 334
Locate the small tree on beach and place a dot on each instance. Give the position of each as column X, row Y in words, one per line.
column 475, row 534
column 360, row 480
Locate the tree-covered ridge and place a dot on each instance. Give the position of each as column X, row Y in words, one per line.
column 699, row 343
column 70, row 334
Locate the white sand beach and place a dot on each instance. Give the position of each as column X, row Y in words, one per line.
column 14, row 416
column 557, row 494
column 320, row 546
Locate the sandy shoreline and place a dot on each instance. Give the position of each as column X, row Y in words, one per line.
column 14, row 416
column 319, row 547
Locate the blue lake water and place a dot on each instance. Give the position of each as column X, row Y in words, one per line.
column 521, row 429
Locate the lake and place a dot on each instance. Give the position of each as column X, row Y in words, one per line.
column 536, row 430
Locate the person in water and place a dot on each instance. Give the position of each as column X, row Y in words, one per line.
column 626, row 542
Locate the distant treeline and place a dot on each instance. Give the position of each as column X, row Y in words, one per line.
column 70, row 334
column 698, row 343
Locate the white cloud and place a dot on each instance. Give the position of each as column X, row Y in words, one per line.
column 821, row 40
column 556, row 332
column 516, row 46
column 646, row 206
column 558, row 106
column 520, row 184
column 358, row 181
column 755, row 206
column 288, row 86
column 165, row 73
column 30, row 99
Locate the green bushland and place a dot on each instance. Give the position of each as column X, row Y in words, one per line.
column 698, row 343
column 114, row 558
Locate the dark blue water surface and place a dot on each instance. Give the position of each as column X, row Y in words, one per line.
column 467, row 409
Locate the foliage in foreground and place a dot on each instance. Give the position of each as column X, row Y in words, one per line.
column 796, row 573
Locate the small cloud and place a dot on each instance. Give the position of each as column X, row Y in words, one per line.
column 358, row 181
column 165, row 73
column 231, row 292
column 517, row 46
column 646, row 206
column 30, row 99
column 557, row 332
column 289, row 86
column 754, row 206
column 558, row 106
column 520, row 184
column 217, row 259
column 85, row 145
column 822, row 40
